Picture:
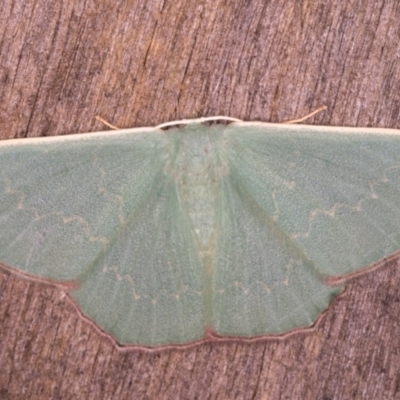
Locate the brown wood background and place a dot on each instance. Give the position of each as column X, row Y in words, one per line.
column 141, row 63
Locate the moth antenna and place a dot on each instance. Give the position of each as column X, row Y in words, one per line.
column 295, row 121
column 106, row 122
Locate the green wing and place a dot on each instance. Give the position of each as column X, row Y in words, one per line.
column 99, row 210
column 298, row 205
column 232, row 228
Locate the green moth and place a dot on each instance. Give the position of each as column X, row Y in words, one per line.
column 168, row 236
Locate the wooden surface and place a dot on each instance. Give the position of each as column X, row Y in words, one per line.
column 141, row 63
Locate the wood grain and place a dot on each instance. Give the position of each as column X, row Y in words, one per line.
column 141, row 63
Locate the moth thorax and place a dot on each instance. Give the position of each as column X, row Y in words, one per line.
column 199, row 187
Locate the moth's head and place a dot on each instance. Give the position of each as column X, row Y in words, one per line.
column 196, row 149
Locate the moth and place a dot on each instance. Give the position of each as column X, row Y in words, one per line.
column 163, row 237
